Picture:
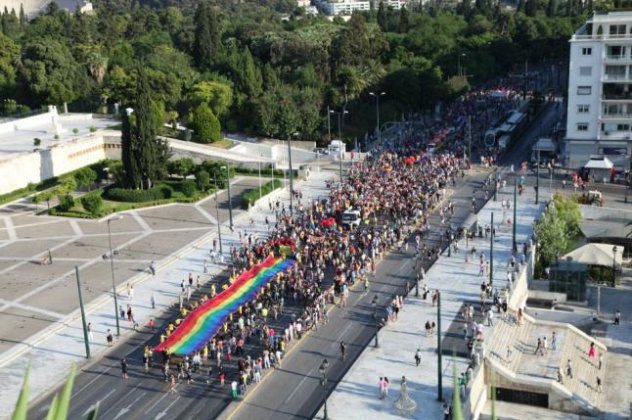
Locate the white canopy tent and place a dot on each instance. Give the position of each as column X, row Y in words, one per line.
column 599, row 163
column 596, row 254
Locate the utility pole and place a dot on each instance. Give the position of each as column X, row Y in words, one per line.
column 491, row 253
column 230, row 200
column 291, row 175
column 329, row 123
column 219, row 225
column 469, row 136
column 377, row 112
column 439, row 351
column 513, row 225
column 86, row 339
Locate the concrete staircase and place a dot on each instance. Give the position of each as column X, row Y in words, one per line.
column 538, row 373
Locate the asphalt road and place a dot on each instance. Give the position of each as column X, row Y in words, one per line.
column 293, row 390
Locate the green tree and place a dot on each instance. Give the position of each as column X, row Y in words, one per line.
column 50, row 73
column 143, row 155
column 207, row 46
column 205, row 125
column 9, row 53
column 404, row 20
column 203, row 180
column 551, row 8
column 382, row 18
column 218, row 96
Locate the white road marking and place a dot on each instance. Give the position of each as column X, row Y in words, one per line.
column 164, row 412
column 98, row 402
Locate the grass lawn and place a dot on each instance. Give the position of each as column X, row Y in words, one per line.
column 222, row 144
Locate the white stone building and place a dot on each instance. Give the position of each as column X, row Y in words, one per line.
column 347, row 7
column 599, row 118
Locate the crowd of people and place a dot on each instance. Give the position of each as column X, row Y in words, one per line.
column 394, row 189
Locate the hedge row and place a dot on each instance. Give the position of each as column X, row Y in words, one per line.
column 158, row 192
column 249, row 198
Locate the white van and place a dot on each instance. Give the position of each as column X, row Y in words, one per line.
column 351, row 218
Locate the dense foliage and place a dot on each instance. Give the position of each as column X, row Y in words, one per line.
column 557, row 230
column 262, row 74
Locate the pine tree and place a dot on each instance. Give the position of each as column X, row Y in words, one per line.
column 207, row 43
column 143, row 155
column 551, row 8
column 202, row 48
column 531, row 8
column 23, row 19
column 250, row 81
column 404, row 20
column 382, row 19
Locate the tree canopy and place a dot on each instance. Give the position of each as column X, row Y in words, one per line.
column 265, row 75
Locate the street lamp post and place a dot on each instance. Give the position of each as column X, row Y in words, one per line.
column 513, row 225
column 439, row 351
column 329, row 111
column 230, row 201
column 116, row 313
column 614, row 266
column 86, row 337
column 537, row 179
column 219, row 225
column 377, row 112
column 375, row 318
column 260, row 175
column 491, row 252
column 324, row 366
column 459, row 64
column 291, row 171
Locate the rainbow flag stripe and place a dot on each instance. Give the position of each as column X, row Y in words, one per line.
column 205, row 321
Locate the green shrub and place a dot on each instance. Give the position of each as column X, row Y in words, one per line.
column 36, row 142
column 188, row 188
column 92, row 203
column 85, row 177
column 66, row 202
column 75, row 131
column 250, row 197
column 138, row 196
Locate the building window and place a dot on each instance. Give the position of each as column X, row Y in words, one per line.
column 615, row 52
column 586, row 51
column 584, row 90
column 585, row 71
column 583, row 109
column 582, row 126
column 623, row 127
column 617, row 29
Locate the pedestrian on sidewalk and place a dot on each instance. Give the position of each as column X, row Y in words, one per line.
column 109, row 338
column 152, row 267
column 538, row 348
column 600, row 363
column 381, row 388
column 599, row 388
column 553, row 341
column 569, row 369
column 417, row 357
column 153, row 301
column 90, row 335
column 617, row 317
column 545, row 346
column 490, row 317
column 591, row 351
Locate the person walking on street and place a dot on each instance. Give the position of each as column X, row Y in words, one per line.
column 490, row 317
column 553, row 341
column 124, row 368
column 417, row 357
column 617, row 317
column 343, row 350
column 90, row 334
column 153, row 301
column 109, row 338
column 599, row 388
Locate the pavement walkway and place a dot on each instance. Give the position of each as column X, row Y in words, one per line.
column 356, row 395
column 52, row 356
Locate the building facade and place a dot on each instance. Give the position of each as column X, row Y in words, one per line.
column 599, row 114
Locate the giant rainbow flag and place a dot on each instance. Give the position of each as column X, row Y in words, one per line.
column 205, row 321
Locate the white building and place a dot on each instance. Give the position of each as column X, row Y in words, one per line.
column 599, row 97
column 347, row 7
